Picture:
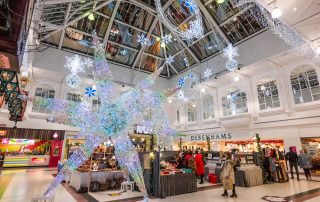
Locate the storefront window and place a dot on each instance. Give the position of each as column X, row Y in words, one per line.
column 192, row 111
column 268, row 95
column 74, row 97
column 305, row 86
column 208, row 107
column 235, row 102
column 43, row 92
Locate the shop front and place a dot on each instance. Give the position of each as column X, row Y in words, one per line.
column 30, row 147
column 311, row 146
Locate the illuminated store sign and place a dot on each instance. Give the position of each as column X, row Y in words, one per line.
column 17, row 141
column 212, row 137
column 38, row 160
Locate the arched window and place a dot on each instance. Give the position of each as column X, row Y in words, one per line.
column 208, row 107
column 43, row 92
column 235, row 102
column 268, row 95
column 192, row 111
column 305, row 85
column 76, row 97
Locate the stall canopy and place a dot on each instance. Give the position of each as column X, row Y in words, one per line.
column 24, row 133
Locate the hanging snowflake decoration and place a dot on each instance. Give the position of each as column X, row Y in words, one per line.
column 76, row 64
column 208, row 73
column 73, row 80
column 231, row 65
column 230, row 52
column 181, row 82
column 169, row 59
column 167, row 38
column 195, row 31
column 143, row 40
column 90, row 91
column 190, row 75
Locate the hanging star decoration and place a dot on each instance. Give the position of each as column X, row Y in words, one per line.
column 169, row 59
column 114, row 117
column 208, row 73
column 90, row 91
column 181, row 82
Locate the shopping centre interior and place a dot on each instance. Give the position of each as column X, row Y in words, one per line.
column 159, row 100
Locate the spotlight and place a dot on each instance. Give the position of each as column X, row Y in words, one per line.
column 170, row 101
column 203, row 90
column 55, row 135
column 158, row 38
column 163, row 44
column 263, row 88
column 276, row 12
column 220, row 1
column 236, row 78
column 228, row 96
column 91, row 17
column 194, row 105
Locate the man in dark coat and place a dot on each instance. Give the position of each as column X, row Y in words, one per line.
column 292, row 157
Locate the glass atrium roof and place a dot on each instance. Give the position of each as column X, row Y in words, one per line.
column 119, row 23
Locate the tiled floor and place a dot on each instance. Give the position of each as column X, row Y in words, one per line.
column 22, row 185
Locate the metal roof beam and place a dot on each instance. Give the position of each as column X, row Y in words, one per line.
column 114, row 12
column 212, row 21
column 65, row 21
column 50, row 2
column 77, row 19
column 153, row 25
column 165, row 52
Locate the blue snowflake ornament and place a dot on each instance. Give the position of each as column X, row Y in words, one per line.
column 190, row 4
column 90, row 91
column 181, row 82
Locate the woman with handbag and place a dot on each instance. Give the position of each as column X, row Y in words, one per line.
column 228, row 179
column 304, row 161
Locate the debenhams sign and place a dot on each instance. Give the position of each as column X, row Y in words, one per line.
column 212, row 137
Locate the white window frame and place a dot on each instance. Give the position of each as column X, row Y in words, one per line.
column 304, row 88
column 190, row 109
column 43, row 92
column 238, row 100
column 208, row 112
column 269, row 100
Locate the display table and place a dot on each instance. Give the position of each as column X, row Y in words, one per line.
column 245, row 177
column 26, row 161
column 176, row 184
column 78, row 180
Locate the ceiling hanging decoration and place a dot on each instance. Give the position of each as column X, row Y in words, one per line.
column 283, row 30
column 124, row 112
column 195, row 29
column 230, row 52
column 76, row 65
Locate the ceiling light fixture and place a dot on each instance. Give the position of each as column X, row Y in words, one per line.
column 203, row 90
column 170, row 101
column 194, row 105
column 236, row 78
column 276, row 12
column 163, row 44
column 220, row 1
column 295, row 9
column 91, row 17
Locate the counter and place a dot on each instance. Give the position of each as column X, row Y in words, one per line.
column 175, row 184
column 26, row 161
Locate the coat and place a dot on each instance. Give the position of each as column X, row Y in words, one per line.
column 304, row 161
column 228, row 172
column 199, row 164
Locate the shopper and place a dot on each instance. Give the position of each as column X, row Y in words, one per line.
column 199, row 165
column 304, row 161
column 180, row 160
column 228, row 178
column 292, row 157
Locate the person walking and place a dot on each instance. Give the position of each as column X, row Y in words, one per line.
column 228, row 178
column 292, row 157
column 304, row 161
column 199, row 166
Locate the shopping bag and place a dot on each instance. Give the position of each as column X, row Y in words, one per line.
column 227, row 184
